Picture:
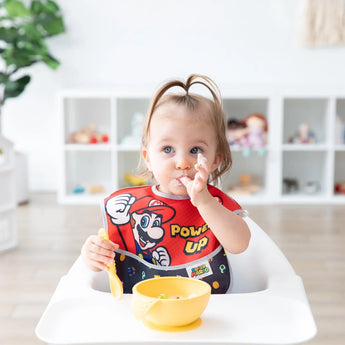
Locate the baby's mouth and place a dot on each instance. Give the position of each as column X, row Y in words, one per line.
column 179, row 179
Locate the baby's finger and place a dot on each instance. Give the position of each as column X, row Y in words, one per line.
column 102, row 254
column 100, row 265
column 186, row 181
column 201, row 160
column 201, row 163
column 98, row 241
column 202, row 174
column 96, row 253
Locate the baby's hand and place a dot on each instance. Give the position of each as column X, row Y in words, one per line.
column 96, row 252
column 197, row 187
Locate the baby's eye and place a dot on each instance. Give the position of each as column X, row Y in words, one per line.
column 195, row 150
column 168, row 149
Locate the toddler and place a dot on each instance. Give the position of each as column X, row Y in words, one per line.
column 181, row 224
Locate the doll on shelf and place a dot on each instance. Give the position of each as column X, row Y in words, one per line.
column 255, row 133
column 303, row 136
column 235, row 132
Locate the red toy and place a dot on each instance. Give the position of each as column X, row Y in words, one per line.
column 89, row 135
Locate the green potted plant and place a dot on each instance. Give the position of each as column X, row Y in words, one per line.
column 24, row 28
column 23, row 33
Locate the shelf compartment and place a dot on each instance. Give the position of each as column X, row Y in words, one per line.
column 82, row 113
column 88, row 173
column 310, row 111
column 339, row 130
column 237, row 110
column 240, row 108
column 247, row 175
column 127, row 163
column 130, row 117
column 304, row 173
column 339, row 173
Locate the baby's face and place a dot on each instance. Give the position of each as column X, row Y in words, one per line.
column 176, row 137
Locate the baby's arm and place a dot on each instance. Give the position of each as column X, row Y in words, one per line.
column 229, row 228
column 96, row 252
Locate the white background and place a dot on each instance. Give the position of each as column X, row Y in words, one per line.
column 110, row 44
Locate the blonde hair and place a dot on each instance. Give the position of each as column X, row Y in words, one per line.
column 193, row 102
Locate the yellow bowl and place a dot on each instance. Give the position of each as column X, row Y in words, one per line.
column 168, row 302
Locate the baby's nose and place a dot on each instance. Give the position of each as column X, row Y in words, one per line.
column 183, row 162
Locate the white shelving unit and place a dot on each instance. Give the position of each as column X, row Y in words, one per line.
column 286, row 173
column 98, row 169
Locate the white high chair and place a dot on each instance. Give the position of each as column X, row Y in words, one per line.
column 266, row 304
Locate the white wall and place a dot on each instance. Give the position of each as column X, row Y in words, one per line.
column 113, row 43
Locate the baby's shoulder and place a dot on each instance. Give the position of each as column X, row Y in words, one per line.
column 224, row 198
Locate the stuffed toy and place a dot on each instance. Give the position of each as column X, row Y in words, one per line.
column 255, row 134
column 303, row 136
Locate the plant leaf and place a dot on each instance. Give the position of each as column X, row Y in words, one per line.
column 36, row 7
column 53, row 26
column 8, row 35
column 19, row 57
column 51, row 62
column 14, row 88
column 16, row 8
column 3, row 78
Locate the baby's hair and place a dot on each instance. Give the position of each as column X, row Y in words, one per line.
column 192, row 102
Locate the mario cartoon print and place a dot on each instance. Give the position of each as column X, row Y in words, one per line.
column 139, row 223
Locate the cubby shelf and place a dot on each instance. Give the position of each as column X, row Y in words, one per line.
column 288, row 170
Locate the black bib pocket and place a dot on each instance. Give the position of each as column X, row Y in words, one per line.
column 213, row 269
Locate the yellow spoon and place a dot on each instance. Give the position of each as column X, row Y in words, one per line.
column 116, row 286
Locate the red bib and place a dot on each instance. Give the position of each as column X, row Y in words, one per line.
column 161, row 229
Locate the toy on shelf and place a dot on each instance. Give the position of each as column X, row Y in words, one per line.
column 89, row 135
column 91, row 189
column 234, row 132
column 135, row 180
column 136, row 128
column 290, row 185
column 339, row 137
column 247, row 185
column 256, row 131
column 249, row 133
column 339, row 187
column 96, row 189
column 78, row 189
column 312, row 187
column 303, row 136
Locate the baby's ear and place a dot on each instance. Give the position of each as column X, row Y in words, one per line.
column 217, row 160
column 145, row 155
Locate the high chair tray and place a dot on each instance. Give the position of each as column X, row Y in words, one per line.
column 76, row 315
